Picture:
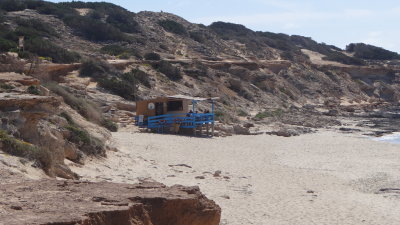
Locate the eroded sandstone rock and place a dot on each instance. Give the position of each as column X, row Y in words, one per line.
column 66, row 202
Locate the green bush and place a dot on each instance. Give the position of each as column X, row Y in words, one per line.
column 173, row 27
column 123, row 20
column 110, row 125
column 152, row 56
column 33, row 90
column 119, row 86
column 124, row 85
column 33, row 28
column 165, row 67
column 85, row 142
column 23, row 149
column 95, row 68
column 80, row 137
column 6, row 45
column 6, row 86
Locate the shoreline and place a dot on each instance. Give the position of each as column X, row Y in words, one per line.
column 325, row 177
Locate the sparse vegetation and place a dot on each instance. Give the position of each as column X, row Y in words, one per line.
column 236, row 85
column 269, row 113
column 82, row 139
column 85, row 107
column 23, row 149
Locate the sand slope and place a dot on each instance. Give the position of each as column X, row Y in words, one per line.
column 322, row 178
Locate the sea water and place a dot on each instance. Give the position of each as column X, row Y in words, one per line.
column 391, row 138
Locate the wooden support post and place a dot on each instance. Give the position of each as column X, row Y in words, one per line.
column 208, row 130
column 212, row 129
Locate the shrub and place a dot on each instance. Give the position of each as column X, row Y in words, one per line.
column 198, row 36
column 6, row 45
column 342, row 58
column 165, row 67
column 34, row 28
column 94, row 30
column 269, row 113
column 365, row 51
column 33, row 90
column 12, row 5
column 152, row 56
column 173, row 27
column 110, row 125
column 113, row 49
column 241, row 112
column 6, row 86
column 120, row 51
column 94, row 68
column 85, row 142
column 47, row 49
column 123, row 20
column 119, row 86
column 142, row 77
column 23, row 149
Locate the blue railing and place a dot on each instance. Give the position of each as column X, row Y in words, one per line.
column 184, row 120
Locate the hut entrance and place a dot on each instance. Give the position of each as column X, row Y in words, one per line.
column 159, row 108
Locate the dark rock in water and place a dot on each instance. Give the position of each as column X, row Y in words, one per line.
column 67, row 202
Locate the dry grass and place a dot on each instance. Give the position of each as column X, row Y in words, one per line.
column 85, row 107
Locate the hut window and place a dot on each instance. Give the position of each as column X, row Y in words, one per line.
column 175, row 106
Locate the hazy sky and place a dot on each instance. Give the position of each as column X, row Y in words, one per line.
column 337, row 22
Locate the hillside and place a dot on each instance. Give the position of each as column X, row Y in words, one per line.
column 94, row 59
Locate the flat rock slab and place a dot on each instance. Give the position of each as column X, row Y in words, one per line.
column 74, row 202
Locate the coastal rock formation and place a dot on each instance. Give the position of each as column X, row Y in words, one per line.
column 67, row 202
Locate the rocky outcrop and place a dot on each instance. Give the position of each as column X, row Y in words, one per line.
column 64, row 202
column 18, row 78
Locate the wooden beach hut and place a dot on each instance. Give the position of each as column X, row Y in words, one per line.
column 176, row 114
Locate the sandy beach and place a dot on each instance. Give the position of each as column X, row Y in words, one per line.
column 321, row 178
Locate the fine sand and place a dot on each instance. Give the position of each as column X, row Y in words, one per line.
column 321, row 178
